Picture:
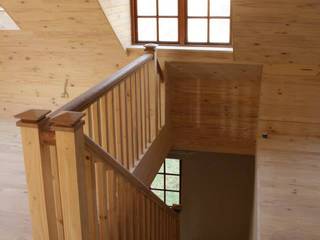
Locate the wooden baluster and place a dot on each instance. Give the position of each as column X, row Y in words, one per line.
column 38, row 174
column 143, row 108
column 90, row 194
column 134, row 120
column 111, row 205
column 137, row 213
column 111, row 131
column 163, row 103
column 138, row 113
column 144, row 218
column 56, row 190
column 129, row 215
column 129, row 123
column 147, row 102
column 86, row 126
column 117, row 222
column 124, row 140
column 95, row 120
column 102, row 200
column 70, row 145
column 103, row 120
column 159, row 94
column 117, row 123
column 88, row 121
column 153, row 95
column 123, row 208
column 153, row 221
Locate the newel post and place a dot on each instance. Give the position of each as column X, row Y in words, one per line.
column 68, row 128
column 38, row 173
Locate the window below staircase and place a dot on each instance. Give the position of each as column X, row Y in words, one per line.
column 166, row 184
column 182, row 22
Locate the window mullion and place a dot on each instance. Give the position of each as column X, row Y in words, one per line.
column 182, row 15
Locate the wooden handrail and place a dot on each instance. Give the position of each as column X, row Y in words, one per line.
column 123, row 171
column 88, row 97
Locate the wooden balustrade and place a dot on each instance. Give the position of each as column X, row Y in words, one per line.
column 124, row 113
column 79, row 191
column 79, row 161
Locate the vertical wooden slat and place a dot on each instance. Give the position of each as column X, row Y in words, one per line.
column 129, row 123
column 117, row 123
column 90, row 192
column 103, row 120
column 56, row 191
column 163, row 102
column 111, row 205
column 143, row 108
column 148, row 219
column 95, row 120
column 134, row 120
column 143, row 218
column 129, row 215
column 136, row 213
column 123, row 117
column 111, row 130
column 138, row 113
column 102, row 192
column 153, row 95
column 86, row 126
column 147, row 103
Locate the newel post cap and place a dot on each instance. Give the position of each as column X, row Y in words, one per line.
column 31, row 117
column 67, row 119
column 150, row 47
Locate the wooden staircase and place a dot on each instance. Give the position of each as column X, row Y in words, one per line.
column 81, row 158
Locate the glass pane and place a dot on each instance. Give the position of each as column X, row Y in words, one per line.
column 197, row 30
column 220, row 8
column 160, row 194
column 168, row 7
column 172, row 182
column 173, row 166
column 168, row 29
column 220, row 30
column 158, row 182
column 147, row 29
column 172, row 198
column 197, row 8
column 161, row 170
column 147, row 7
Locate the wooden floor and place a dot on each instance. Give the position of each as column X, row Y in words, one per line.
column 14, row 212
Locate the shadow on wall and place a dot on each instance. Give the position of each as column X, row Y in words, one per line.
column 217, row 196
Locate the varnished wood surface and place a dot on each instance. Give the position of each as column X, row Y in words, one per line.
column 62, row 49
column 14, row 208
column 214, row 107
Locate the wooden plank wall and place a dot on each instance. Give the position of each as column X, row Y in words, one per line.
column 214, row 106
column 284, row 36
column 63, row 48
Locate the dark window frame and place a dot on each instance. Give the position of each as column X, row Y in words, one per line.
column 182, row 25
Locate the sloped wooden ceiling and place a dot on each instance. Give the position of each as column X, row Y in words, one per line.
column 63, row 48
column 118, row 15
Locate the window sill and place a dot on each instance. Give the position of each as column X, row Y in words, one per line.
column 187, row 48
